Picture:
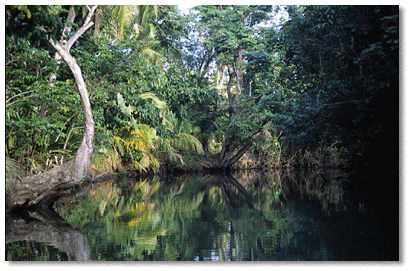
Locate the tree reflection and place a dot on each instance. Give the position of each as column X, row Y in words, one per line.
column 43, row 235
column 243, row 216
column 202, row 217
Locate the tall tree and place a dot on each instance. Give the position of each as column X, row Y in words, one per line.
column 45, row 187
column 228, row 32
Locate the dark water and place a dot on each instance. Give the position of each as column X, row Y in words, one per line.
column 246, row 216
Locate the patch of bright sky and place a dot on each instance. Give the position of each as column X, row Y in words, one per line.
column 278, row 18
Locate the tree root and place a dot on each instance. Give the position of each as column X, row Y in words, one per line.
column 42, row 189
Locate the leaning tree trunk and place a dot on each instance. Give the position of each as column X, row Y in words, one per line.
column 46, row 187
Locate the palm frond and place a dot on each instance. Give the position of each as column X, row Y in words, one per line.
column 185, row 141
column 174, row 156
column 119, row 144
column 123, row 15
column 123, row 18
column 152, row 56
column 13, row 170
column 146, row 13
column 156, row 101
column 147, row 161
column 145, row 32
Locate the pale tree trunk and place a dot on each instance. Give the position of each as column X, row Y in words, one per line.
column 239, row 73
column 220, row 78
column 226, row 157
column 229, row 85
column 45, row 188
column 230, row 153
column 63, row 40
column 233, row 148
column 98, row 19
column 57, row 57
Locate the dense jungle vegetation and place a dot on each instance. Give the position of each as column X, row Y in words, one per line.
column 218, row 88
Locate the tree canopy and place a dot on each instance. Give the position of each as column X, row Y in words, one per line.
column 316, row 88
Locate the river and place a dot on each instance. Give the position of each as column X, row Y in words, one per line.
column 243, row 216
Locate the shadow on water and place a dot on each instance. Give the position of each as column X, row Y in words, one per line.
column 248, row 215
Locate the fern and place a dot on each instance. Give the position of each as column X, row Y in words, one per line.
column 142, row 144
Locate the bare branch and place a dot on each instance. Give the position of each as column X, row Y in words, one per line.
column 345, row 102
column 70, row 118
column 11, row 61
column 18, row 95
column 87, row 24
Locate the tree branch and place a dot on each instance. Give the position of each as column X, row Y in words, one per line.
column 87, row 24
column 17, row 96
column 239, row 154
column 63, row 40
column 70, row 21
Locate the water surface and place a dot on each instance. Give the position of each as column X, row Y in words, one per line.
column 246, row 216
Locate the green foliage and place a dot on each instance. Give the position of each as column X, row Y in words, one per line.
column 160, row 83
column 169, row 90
column 343, row 69
column 231, row 27
column 171, row 28
column 38, row 117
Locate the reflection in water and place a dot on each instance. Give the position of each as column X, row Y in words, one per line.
column 247, row 216
column 44, row 235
